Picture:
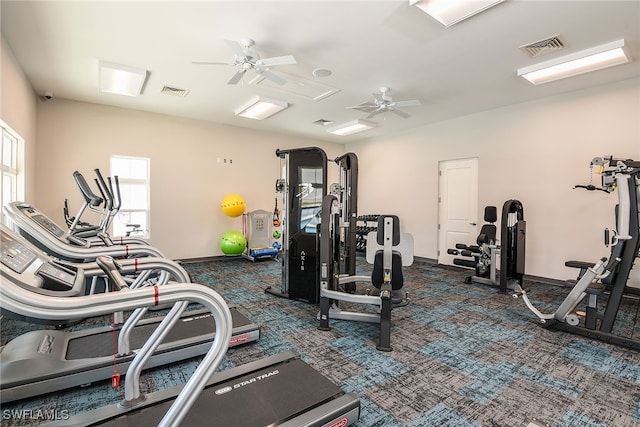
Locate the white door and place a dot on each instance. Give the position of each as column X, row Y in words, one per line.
column 457, row 205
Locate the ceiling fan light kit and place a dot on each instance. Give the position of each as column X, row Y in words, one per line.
column 585, row 61
column 450, row 12
column 260, row 108
column 121, row 79
column 352, row 127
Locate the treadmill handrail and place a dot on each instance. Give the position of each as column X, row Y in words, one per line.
column 26, row 303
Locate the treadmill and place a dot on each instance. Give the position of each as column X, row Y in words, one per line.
column 43, row 361
column 278, row 390
column 45, row 234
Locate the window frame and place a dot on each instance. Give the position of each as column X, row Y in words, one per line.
column 13, row 169
column 123, row 181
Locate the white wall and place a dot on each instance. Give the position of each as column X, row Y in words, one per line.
column 187, row 182
column 18, row 110
column 534, row 152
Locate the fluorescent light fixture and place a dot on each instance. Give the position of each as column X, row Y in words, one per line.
column 351, row 127
column 595, row 58
column 449, row 12
column 121, row 79
column 261, row 108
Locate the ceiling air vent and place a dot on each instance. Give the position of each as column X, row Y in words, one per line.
column 541, row 47
column 175, row 91
column 323, row 122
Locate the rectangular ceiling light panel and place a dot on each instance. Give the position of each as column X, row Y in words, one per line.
column 121, row 79
column 449, row 12
column 261, row 108
column 596, row 58
column 350, row 128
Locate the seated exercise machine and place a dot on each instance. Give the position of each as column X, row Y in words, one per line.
column 43, row 361
column 604, row 276
column 280, row 390
column 387, row 249
column 484, row 256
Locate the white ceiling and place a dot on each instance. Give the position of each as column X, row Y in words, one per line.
column 453, row 71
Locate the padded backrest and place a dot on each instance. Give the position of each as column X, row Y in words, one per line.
column 377, row 276
column 490, row 214
column 488, row 231
column 396, row 230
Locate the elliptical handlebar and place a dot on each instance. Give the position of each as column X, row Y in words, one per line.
column 104, row 188
column 90, row 197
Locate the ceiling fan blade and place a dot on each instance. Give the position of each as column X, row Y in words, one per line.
column 363, row 106
column 376, row 112
column 212, row 63
column 276, row 79
column 236, row 48
column 412, row 103
column 236, row 77
column 400, row 113
column 277, row 60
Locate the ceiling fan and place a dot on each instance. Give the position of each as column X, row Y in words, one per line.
column 383, row 102
column 248, row 60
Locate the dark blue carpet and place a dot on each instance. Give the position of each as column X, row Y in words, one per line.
column 464, row 355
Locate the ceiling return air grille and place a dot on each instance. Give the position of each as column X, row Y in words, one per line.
column 551, row 44
column 175, row 91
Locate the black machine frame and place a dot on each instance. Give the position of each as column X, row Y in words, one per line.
column 299, row 222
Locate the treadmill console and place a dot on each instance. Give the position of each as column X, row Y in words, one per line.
column 15, row 255
column 42, row 220
column 25, row 266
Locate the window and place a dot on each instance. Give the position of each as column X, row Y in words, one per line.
column 11, row 183
column 133, row 176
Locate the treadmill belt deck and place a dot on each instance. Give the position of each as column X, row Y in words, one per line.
column 192, row 324
column 263, row 397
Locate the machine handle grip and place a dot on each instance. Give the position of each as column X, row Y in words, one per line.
column 613, row 263
column 589, row 187
column 111, row 269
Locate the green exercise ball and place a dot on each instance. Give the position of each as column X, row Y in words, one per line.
column 233, row 243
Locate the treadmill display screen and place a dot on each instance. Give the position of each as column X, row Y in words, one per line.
column 15, row 255
column 48, row 225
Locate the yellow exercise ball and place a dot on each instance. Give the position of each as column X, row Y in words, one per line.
column 233, row 205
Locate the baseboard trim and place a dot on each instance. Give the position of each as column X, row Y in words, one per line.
column 206, row 259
